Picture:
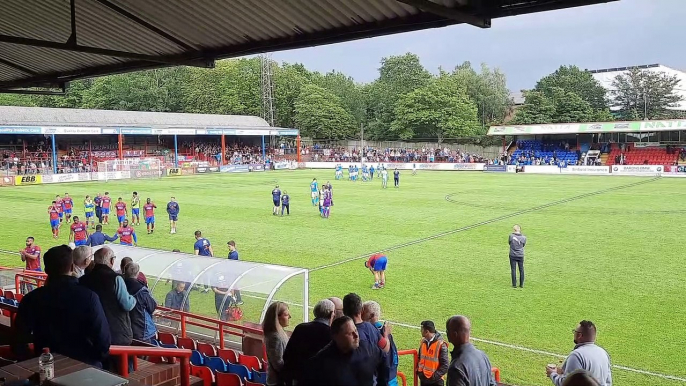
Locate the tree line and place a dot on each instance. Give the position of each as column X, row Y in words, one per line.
column 405, row 101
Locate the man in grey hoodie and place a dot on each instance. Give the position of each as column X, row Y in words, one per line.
column 517, row 243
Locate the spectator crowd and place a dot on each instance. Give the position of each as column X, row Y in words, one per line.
column 325, row 153
column 85, row 306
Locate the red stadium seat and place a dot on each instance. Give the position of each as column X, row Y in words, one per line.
column 9, row 294
column 249, row 361
column 228, row 379
column 207, row 349
column 204, row 373
column 18, row 297
column 248, row 383
column 187, row 343
column 228, row 355
column 166, row 338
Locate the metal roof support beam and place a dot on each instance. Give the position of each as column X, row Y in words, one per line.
column 145, row 24
column 17, row 67
column 103, row 51
column 450, row 13
column 72, row 8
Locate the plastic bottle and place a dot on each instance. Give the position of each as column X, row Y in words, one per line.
column 46, row 366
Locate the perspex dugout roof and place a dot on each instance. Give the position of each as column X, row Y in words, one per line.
column 259, row 284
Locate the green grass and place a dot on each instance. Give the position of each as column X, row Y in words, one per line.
column 615, row 258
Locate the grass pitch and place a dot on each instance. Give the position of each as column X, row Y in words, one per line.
column 605, row 249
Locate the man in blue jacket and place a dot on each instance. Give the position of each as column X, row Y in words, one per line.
column 98, row 238
column 173, row 212
column 62, row 315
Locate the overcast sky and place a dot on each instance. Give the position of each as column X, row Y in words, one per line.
column 527, row 47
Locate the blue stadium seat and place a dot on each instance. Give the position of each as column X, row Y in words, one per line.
column 239, row 370
column 196, row 358
column 215, row 363
column 259, row 377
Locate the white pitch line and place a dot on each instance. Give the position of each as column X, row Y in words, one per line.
column 519, row 348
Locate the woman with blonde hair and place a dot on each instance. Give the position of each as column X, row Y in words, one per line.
column 275, row 340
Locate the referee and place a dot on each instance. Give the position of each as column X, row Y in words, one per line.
column 517, row 243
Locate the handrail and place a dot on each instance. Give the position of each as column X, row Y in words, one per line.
column 124, row 351
column 37, row 278
column 183, row 315
column 415, row 359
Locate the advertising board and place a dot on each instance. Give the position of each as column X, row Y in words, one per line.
column 102, row 176
column 234, row 168
column 496, row 168
column 597, row 170
column 283, row 165
column 145, row 173
column 34, row 179
column 257, row 167
column 67, row 177
column 7, row 181
column 637, row 169
column 541, row 169
column 174, row 171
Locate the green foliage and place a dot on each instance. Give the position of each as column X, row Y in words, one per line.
column 577, row 81
column 488, row 90
column 17, row 100
column 645, row 94
column 438, row 110
column 319, row 113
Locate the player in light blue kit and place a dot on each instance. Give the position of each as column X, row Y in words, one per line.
column 384, row 178
column 355, row 171
column 365, row 173
column 339, row 171
column 314, row 189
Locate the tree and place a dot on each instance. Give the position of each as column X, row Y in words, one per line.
column 321, row 114
column 288, row 80
column 398, row 75
column 645, row 94
column 17, row 100
column 537, row 108
column 436, row 111
column 488, row 89
column 577, row 81
column 344, row 87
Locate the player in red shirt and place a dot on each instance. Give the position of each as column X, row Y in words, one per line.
column 149, row 209
column 31, row 255
column 377, row 265
column 79, row 232
column 67, row 205
column 60, row 206
column 127, row 236
column 54, row 213
column 106, row 202
column 120, row 206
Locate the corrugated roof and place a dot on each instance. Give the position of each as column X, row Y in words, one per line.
column 153, row 33
column 41, row 116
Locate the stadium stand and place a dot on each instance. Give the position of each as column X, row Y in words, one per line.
column 531, row 152
column 641, row 155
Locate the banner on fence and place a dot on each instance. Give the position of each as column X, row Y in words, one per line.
column 102, row 176
column 67, row 177
column 7, row 181
column 174, row 171
column 283, row 165
column 28, row 180
column 146, row 173
column 257, row 167
column 597, row 170
column 235, row 169
column 541, row 169
column 637, row 169
column 496, row 168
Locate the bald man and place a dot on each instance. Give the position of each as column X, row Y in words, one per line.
column 338, row 306
column 469, row 366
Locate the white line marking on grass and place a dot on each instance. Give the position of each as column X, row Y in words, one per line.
column 516, row 347
column 485, row 222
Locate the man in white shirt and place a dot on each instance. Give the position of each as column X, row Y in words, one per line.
column 586, row 356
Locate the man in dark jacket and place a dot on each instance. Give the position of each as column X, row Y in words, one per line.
column 111, row 289
column 307, row 340
column 98, row 238
column 142, row 325
column 517, row 243
column 469, row 366
column 347, row 360
column 433, row 361
column 62, row 315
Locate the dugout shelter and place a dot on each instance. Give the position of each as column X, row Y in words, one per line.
column 135, row 128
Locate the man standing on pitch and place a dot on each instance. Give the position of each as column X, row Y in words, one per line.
column 173, row 211
column 517, row 243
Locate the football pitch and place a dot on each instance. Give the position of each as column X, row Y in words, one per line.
column 607, row 249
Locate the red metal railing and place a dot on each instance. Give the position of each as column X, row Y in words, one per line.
column 123, row 352
column 29, row 278
column 415, row 357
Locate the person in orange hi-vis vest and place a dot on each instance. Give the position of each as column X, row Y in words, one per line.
column 433, row 361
